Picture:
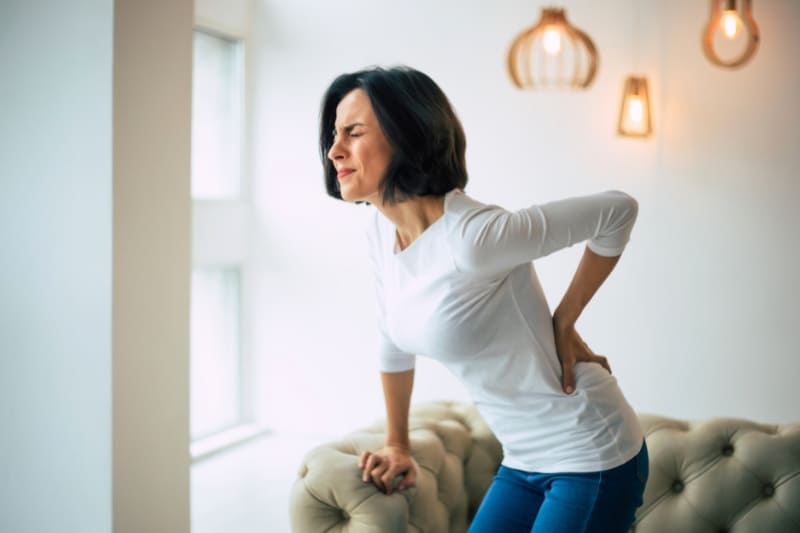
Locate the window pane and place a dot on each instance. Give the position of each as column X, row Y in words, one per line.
column 215, row 351
column 217, row 88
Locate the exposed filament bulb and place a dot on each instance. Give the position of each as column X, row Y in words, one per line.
column 552, row 40
column 731, row 23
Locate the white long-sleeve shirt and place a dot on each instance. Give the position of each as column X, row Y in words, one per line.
column 465, row 293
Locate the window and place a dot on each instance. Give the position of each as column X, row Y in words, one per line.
column 220, row 407
column 217, row 97
column 216, row 351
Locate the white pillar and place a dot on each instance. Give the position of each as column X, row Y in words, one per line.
column 152, row 262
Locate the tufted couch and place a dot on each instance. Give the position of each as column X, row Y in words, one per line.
column 720, row 475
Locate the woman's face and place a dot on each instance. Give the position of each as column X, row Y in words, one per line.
column 360, row 152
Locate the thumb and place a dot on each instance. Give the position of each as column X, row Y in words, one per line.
column 408, row 479
column 568, row 375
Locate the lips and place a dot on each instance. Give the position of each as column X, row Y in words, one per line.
column 343, row 172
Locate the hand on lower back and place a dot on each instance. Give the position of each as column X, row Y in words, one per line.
column 572, row 349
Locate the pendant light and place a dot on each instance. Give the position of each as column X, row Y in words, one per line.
column 731, row 37
column 552, row 54
column 634, row 114
column 635, row 117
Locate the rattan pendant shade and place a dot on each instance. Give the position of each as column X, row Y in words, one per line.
column 552, row 54
column 731, row 37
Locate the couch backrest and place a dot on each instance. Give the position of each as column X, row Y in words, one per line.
column 713, row 476
column 721, row 475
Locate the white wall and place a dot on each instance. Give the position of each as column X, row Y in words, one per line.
column 91, row 230
column 697, row 318
column 715, row 277
column 55, row 272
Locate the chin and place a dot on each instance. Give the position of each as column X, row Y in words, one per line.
column 356, row 195
column 346, row 196
column 350, row 195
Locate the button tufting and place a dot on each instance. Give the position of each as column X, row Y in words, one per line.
column 768, row 491
column 727, row 450
column 677, row 486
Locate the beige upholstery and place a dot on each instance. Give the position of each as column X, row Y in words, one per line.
column 719, row 475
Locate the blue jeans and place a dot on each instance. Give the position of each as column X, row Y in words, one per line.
column 603, row 502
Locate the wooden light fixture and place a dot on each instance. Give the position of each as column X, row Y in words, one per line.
column 731, row 37
column 634, row 115
column 552, row 54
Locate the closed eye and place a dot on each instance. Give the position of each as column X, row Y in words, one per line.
column 351, row 134
column 349, row 130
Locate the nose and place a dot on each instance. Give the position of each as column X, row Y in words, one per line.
column 336, row 151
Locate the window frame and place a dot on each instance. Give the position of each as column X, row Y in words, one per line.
column 221, row 236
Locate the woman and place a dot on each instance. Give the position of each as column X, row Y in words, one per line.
column 455, row 282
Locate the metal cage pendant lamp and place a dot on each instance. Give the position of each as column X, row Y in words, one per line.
column 731, row 37
column 552, row 54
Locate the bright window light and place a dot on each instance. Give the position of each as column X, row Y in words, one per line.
column 215, row 351
column 217, row 98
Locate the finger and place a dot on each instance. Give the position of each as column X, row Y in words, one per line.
column 603, row 362
column 372, row 462
column 366, row 459
column 376, row 474
column 363, row 459
column 584, row 353
column 568, row 375
column 387, row 479
column 392, row 472
column 409, row 479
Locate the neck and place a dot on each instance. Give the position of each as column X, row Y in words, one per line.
column 412, row 217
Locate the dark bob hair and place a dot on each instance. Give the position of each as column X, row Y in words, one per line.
column 425, row 135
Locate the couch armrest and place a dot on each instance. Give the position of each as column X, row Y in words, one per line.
column 457, row 456
column 330, row 496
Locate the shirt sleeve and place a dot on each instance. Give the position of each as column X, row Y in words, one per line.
column 493, row 239
column 390, row 357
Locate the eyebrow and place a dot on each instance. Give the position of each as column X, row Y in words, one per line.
column 349, row 127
